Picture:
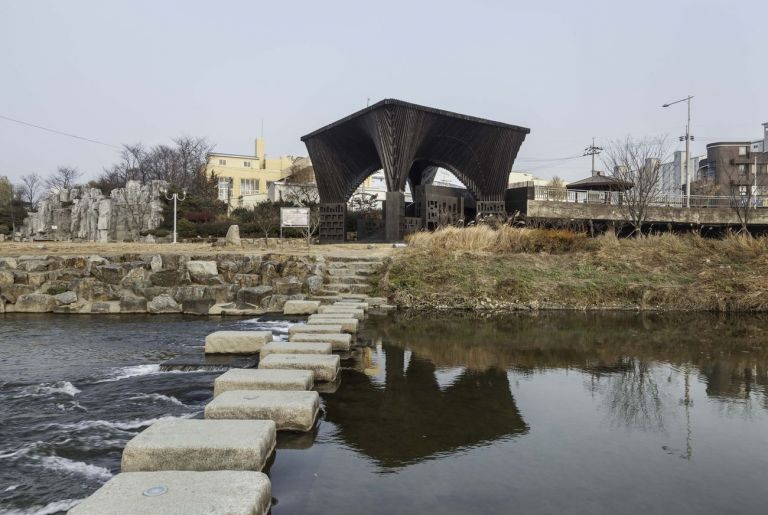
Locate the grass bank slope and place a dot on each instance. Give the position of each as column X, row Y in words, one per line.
column 510, row 268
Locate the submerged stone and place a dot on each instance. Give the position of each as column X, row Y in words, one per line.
column 290, row 410
column 201, row 445
column 181, row 493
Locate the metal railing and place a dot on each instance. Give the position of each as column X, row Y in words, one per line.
column 549, row 193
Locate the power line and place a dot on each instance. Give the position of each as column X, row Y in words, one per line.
column 61, row 133
column 536, row 159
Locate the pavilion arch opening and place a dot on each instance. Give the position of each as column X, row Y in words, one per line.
column 441, row 196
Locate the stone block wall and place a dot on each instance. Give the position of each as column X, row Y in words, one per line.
column 210, row 284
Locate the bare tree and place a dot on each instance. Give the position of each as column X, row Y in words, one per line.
column 742, row 190
column 63, row 178
column 31, row 189
column 301, row 194
column 636, row 166
column 266, row 216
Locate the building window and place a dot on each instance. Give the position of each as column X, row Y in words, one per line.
column 742, row 169
column 742, row 151
column 249, row 186
column 743, row 191
column 222, row 162
column 247, row 164
column 224, row 189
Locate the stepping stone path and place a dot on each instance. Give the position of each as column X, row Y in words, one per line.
column 211, row 466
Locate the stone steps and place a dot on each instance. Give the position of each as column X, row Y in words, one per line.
column 348, row 279
column 346, row 288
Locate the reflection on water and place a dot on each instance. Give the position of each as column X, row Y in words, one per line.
column 550, row 413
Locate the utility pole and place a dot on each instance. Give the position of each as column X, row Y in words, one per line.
column 592, row 150
column 688, row 138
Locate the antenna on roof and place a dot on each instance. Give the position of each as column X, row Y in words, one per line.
column 368, row 102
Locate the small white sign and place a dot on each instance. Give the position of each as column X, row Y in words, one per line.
column 294, row 217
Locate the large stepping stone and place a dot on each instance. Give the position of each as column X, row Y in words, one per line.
column 348, row 325
column 296, row 348
column 201, row 445
column 300, row 307
column 181, row 493
column 340, row 316
column 340, row 342
column 236, row 342
column 254, row 379
column 315, row 329
column 351, row 311
column 325, row 366
column 352, row 304
column 290, row 410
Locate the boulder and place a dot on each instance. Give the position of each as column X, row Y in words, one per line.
column 67, row 297
column 275, row 303
column 233, row 236
column 202, row 271
column 136, row 278
column 14, row 291
column 8, row 263
column 105, row 307
column 33, row 265
column 246, row 280
column 163, row 304
column 6, row 278
column 110, row 274
column 254, row 295
column 287, row 286
column 156, row 263
column 314, row 283
column 35, row 303
column 168, row 278
column 133, row 304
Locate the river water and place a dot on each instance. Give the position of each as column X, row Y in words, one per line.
column 556, row 413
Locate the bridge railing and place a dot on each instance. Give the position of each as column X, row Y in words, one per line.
column 552, row 194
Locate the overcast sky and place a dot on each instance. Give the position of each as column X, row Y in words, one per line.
column 128, row 71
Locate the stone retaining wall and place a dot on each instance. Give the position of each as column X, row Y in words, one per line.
column 236, row 284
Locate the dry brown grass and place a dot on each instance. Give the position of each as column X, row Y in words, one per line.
column 512, row 268
column 504, row 240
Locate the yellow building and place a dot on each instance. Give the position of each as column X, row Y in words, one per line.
column 244, row 180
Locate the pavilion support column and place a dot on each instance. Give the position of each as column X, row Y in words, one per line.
column 394, row 216
column 333, row 222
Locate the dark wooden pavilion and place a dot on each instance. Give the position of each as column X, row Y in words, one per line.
column 408, row 142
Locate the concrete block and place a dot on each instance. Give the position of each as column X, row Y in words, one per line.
column 352, row 304
column 291, row 410
column 236, row 342
column 350, row 311
column 254, row 379
column 300, row 307
column 314, row 329
column 181, row 493
column 348, row 325
column 340, row 342
column 325, row 366
column 181, row 444
column 295, row 348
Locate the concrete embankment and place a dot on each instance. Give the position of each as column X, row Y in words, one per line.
column 200, row 284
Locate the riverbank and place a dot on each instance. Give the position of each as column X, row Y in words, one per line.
column 528, row 269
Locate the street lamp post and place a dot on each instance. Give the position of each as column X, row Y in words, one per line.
column 688, row 139
column 175, row 197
